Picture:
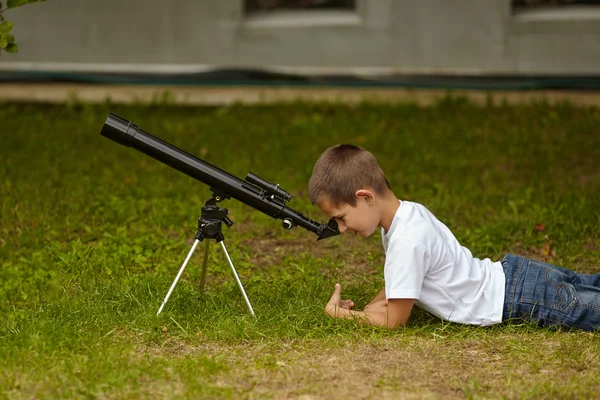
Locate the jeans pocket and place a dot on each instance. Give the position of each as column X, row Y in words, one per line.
column 549, row 287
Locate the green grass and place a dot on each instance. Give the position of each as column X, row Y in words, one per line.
column 92, row 235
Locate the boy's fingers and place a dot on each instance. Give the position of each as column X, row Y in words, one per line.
column 349, row 304
column 335, row 297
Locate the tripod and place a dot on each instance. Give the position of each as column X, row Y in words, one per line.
column 209, row 227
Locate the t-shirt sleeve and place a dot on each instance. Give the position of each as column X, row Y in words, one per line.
column 406, row 263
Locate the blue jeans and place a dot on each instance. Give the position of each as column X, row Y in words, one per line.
column 550, row 295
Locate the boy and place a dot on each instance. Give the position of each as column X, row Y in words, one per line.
column 426, row 266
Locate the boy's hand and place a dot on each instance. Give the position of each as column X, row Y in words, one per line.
column 336, row 302
column 347, row 304
column 389, row 314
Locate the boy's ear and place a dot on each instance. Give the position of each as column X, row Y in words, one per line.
column 365, row 195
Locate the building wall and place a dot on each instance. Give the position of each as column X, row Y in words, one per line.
column 412, row 36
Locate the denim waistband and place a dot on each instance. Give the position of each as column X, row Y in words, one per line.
column 513, row 267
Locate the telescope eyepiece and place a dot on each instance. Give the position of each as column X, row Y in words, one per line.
column 269, row 187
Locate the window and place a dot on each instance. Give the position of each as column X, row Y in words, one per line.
column 551, row 11
column 253, row 6
column 276, row 14
column 537, row 4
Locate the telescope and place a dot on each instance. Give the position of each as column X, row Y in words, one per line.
column 260, row 194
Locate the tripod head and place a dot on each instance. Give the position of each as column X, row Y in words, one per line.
column 209, row 223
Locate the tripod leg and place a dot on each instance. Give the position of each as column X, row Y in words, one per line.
column 187, row 259
column 204, row 264
column 235, row 275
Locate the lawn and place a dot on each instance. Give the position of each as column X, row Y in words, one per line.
column 92, row 235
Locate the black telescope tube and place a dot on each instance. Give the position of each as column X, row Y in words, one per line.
column 128, row 134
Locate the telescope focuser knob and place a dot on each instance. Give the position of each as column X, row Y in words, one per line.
column 287, row 223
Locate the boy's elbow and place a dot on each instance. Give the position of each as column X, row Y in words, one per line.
column 395, row 325
column 383, row 320
column 397, row 312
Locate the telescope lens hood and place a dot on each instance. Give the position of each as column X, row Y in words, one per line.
column 118, row 129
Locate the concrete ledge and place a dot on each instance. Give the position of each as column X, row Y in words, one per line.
column 61, row 93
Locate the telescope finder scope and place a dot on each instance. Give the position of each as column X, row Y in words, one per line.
column 270, row 188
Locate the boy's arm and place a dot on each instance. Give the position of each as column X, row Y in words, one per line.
column 380, row 296
column 392, row 315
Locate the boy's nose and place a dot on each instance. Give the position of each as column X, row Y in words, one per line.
column 342, row 228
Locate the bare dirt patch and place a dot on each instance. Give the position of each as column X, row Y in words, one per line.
column 399, row 367
column 591, row 245
column 546, row 253
column 351, row 250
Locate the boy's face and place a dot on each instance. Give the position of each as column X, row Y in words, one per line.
column 361, row 219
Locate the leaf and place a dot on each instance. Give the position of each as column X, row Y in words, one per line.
column 12, row 48
column 15, row 3
column 3, row 42
column 539, row 227
column 5, row 27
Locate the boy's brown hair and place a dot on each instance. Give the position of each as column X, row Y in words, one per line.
column 342, row 170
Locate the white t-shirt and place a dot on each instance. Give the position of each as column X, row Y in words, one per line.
column 425, row 262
